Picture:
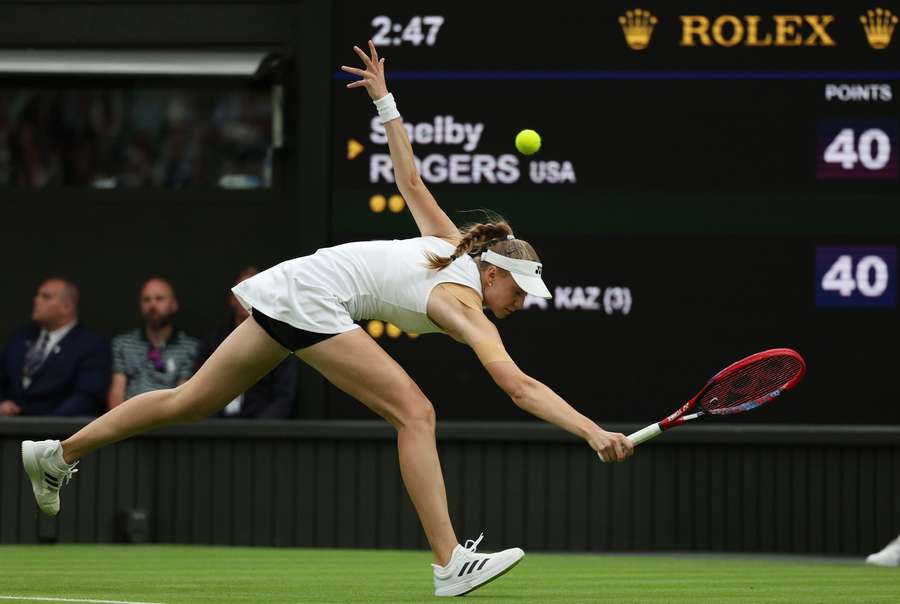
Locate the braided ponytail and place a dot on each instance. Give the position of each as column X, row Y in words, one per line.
column 475, row 238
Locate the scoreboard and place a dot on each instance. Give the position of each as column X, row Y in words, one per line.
column 748, row 120
column 714, row 178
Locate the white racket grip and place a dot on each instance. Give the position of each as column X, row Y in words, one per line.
column 645, row 434
column 642, row 435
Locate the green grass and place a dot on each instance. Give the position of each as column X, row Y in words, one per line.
column 182, row 575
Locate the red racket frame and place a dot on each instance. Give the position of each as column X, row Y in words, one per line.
column 678, row 418
column 689, row 410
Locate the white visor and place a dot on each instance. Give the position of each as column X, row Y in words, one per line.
column 526, row 273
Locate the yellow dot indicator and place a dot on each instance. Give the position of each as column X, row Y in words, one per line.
column 375, row 328
column 413, row 335
column 396, row 204
column 377, row 203
column 393, row 331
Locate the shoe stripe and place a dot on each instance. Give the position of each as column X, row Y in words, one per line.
column 483, row 563
column 471, row 568
column 463, row 569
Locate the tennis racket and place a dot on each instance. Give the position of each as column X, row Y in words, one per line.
column 740, row 387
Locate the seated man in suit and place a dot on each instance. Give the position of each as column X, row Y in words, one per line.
column 56, row 366
column 272, row 397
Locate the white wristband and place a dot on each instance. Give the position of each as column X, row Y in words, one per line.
column 387, row 108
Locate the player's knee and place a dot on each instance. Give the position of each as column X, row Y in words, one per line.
column 418, row 414
column 184, row 406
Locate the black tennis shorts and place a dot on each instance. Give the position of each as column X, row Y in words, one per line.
column 287, row 335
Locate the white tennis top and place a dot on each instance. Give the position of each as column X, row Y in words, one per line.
column 386, row 280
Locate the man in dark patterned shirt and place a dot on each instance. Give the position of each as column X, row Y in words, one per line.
column 156, row 355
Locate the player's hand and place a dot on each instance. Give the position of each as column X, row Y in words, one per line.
column 612, row 446
column 372, row 76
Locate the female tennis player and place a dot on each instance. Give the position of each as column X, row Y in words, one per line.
column 439, row 282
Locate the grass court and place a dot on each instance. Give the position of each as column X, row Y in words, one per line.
column 196, row 574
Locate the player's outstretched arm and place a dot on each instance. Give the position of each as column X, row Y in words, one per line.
column 429, row 216
column 541, row 401
column 472, row 327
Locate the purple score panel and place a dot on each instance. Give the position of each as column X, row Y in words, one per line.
column 849, row 149
column 856, row 276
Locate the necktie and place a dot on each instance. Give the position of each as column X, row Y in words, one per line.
column 35, row 356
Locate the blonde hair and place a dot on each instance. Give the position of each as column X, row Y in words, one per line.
column 481, row 236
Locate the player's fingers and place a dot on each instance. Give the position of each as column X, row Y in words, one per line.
column 356, row 84
column 607, row 453
column 373, row 52
column 363, row 56
column 610, row 453
column 354, row 70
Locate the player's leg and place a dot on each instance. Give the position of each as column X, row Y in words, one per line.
column 245, row 356
column 357, row 365
column 353, row 362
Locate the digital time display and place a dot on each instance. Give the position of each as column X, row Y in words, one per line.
column 416, row 30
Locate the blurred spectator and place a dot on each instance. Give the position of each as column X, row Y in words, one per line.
column 142, row 137
column 273, row 396
column 56, row 366
column 156, row 355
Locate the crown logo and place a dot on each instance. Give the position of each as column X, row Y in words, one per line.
column 637, row 25
column 879, row 25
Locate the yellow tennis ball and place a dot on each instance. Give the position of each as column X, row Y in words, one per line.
column 393, row 331
column 528, row 142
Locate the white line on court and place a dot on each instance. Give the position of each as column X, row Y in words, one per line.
column 49, row 599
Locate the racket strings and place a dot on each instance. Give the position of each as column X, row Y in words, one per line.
column 750, row 383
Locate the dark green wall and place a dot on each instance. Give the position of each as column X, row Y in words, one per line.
column 807, row 490
column 108, row 242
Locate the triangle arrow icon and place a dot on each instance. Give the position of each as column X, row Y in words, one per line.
column 354, row 148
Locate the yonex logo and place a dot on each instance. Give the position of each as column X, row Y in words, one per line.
column 538, row 270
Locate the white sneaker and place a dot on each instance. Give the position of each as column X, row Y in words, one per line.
column 46, row 468
column 468, row 570
column 889, row 556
